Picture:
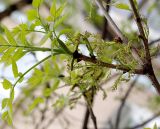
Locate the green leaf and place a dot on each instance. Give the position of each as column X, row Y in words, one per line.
column 18, row 54
column 14, row 68
column 55, row 85
column 1, row 29
column 10, row 37
column 122, row 6
column 37, row 3
column 35, row 103
column 4, row 115
column 5, row 102
column 7, row 55
column 3, row 40
column 32, row 14
column 53, row 9
column 6, row 84
column 47, row 92
column 60, row 10
column 64, row 47
column 65, row 31
column 50, row 19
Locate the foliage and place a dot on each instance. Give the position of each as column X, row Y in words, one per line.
column 65, row 62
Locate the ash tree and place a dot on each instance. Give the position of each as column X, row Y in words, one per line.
column 112, row 52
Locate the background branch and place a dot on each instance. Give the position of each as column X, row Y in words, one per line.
column 111, row 22
column 16, row 6
column 118, row 118
column 145, row 122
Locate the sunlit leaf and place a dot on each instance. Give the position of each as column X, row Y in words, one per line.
column 14, row 68
column 5, row 102
column 37, row 3
column 122, row 6
column 7, row 84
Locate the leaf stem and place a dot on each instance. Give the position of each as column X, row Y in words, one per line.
column 28, row 47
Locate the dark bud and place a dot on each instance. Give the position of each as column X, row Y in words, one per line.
column 118, row 40
column 61, row 76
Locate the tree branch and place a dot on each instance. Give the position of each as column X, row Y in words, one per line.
column 140, row 28
column 148, row 68
column 104, row 64
column 106, row 33
column 13, row 7
column 118, row 118
column 154, row 42
column 145, row 122
column 141, row 5
column 111, row 22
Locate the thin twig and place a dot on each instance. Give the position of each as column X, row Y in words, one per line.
column 106, row 33
column 123, row 103
column 148, row 68
column 93, row 117
column 140, row 6
column 111, row 22
column 86, row 119
column 117, row 31
column 154, row 42
column 145, row 122
column 140, row 28
column 104, row 64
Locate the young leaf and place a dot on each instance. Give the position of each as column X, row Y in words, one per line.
column 122, row 6
column 6, row 84
column 3, row 40
column 47, row 92
column 4, row 115
column 32, row 14
column 14, row 68
column 64, row 47
column 60, row 10
column 10, row 37
column 18, row 54
column 55, row 85
column 7, row 55
column 5, row 102
column 35, row 103
column 53, row 9
column 37, row 3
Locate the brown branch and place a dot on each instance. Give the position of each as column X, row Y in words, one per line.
column 140, row 28
column 93, row 117
column 111, row 22
column 117, row 31
column 86, row 119
column 154, row 42
column 118, row 118
column 104, row 64
column 148, row 68
column 13, row 7
column 141, row 5
column 145, row 122
column 106, row 33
